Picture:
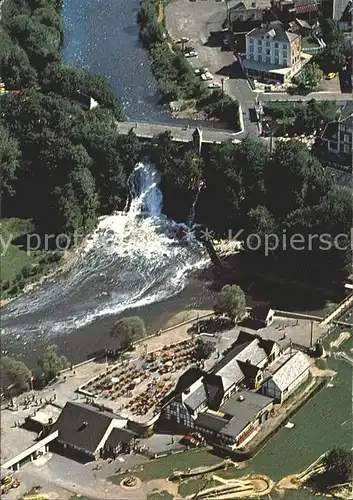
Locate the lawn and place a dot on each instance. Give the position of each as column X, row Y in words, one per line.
column 14, row 258
column 19, row 266
column 164, row 467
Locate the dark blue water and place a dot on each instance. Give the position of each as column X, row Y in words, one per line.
column 102, row 37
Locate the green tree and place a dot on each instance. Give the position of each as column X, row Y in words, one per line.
column 312, row 75
column 231, row 301
column 16, row 372
column 129, row 329
column 261, row 221
column 203, row 349
column 51, row 362
column 9, row 160
column 338, row 463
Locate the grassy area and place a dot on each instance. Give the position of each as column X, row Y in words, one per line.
column 164, row 467
column 20, row 266
column 14, row 258
column 191, row 486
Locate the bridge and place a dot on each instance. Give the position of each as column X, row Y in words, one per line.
column 180, row 133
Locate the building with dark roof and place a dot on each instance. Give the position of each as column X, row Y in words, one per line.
column 272, row 53
column 208, row 396
column 237, row 420
column 86, row 430
column 337, row 136
column 243, row 20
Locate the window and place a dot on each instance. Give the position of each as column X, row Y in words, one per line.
column 332, row 145
column 268, row 44
column 259, row 58
column 259, row 42
column 268, row 60
column 346, row 148
column 259, row 50
column 285, row 62
column 276, row 45
column 277, row 61
column 268, row 52
column 346, row 138
column 276, row 52
column 251, row 57
column 251, row 41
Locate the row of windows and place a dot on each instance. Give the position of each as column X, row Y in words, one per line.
column 268, row 44
column 268, row 52
column 267, row 60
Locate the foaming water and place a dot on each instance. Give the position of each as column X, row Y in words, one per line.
column 132, row 259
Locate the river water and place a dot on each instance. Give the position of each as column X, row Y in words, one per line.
column 102, row 37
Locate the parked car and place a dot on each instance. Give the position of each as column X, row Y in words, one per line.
column 214, row 85
column 193, row 53
column 207, row 76
column 331, row 76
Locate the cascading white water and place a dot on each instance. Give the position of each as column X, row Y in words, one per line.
column 133, row 258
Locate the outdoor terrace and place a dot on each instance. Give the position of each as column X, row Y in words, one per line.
column 135, row 390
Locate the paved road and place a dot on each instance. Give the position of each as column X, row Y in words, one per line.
column 319, row 96
column 179, row 133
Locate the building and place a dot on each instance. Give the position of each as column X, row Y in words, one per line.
column 200, row 399
column 243, row 20
column 284, row 381
column 301, row 27
column 337, row 136
column 264, row 315
column 89, row 432
column 342, row 13
column 272, row 54
column 85, row 101
column 236, row 421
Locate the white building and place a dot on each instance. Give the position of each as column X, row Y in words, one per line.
column 272, row 53
column 287, row 378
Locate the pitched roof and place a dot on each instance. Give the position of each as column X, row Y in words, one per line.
column 83, row 426
column 339, row 8
column 347, row 111
column 304, row 6
column 119, row 436
column 210, row 421
column 291, row 370
column 244, row 406
column 196, row 398
column 275, row 31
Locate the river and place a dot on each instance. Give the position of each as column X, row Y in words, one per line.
column 102, row 37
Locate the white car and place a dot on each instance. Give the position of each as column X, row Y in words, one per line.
column 207, row 76
column 214, row 85
column 192, row 53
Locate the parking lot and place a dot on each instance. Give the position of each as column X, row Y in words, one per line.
column 201, row 22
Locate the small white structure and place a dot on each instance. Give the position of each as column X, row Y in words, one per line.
column 287, row 378
column 263, row 314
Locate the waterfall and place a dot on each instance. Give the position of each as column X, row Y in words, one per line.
column 133, row 258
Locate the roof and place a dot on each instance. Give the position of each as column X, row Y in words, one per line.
column 210, row 421
column 303, row 24
column 215, row 390
column 119, row 436
column 187, row 379
column 275, row 31
column 242, row 14
column 291, row 370
column 253, row 353
column 228, row 366
column 196, row 398
column 339, row 8
column 244, row 412
column 304, row 6
column 83, row 426
column 347, row 111
column 260, row 312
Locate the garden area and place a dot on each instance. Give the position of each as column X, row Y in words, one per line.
column 290, row 119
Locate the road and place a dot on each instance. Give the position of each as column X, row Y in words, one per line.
column 179, row 132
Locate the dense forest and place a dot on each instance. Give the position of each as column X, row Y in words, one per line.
column 61, row 165
column 245, row 187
